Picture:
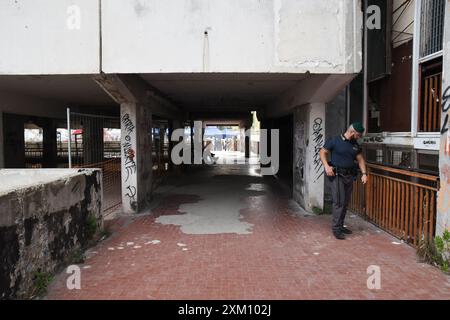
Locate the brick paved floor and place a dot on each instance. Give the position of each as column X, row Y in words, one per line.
column 286, row 254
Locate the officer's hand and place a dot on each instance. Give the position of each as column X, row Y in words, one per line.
column 329, row 171
column 364, row 179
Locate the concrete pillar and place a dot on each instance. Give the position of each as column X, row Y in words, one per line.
column 268, row 125
column 93, row 140
column 2, row 143
column 443, row 201
column 50, row 146
column 14, row 137
column 191, row 123
column 136, row 142
column 308, row 174
column 171, row 143
column 242, row 139
column 174, row 125
column 247, row 141
column 138, row 102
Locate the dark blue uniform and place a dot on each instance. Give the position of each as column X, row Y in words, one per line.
column 343, row 158
column 343, row 151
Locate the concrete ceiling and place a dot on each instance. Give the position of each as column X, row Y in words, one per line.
column 72, row 90
column 228, row 92
column 191, row 92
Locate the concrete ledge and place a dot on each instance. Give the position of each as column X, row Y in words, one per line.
column 45, row 215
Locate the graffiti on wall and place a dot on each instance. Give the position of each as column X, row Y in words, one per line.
column 299, row 158
column 127, row 146
column 446, row 115
column 131, row 193
column 318, row 141
column 129, row 155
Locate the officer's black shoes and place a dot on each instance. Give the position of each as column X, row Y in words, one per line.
column 346, row 231
column 339, row 235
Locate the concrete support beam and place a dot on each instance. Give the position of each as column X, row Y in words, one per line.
column 131, row 87
column 443, row 201
column 313, row 89
column 308, row 174
column 136, row 106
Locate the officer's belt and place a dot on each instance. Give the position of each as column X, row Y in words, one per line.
column 346, row 171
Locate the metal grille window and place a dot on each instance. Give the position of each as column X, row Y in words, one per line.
column 375, row 155
column 401, row 158
column 432, row 27
column 428, row 161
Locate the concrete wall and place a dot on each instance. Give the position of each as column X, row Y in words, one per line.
column 443, row 206
column 243, row 36
column 152, row 36
column 45, row 216
column 49, row 37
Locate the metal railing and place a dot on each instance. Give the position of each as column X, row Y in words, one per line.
column 401, row 202
column 111, row 177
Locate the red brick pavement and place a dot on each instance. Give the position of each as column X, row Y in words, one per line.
column 287, row 256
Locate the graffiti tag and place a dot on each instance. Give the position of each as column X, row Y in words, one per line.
column 318, row 140
column 131, row 192
column 128, row 151
column 445, row 108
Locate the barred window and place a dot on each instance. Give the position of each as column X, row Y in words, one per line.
column 432, row 27
column 401, row 158
column 375, row 155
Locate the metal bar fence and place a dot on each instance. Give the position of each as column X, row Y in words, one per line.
column 401, row 202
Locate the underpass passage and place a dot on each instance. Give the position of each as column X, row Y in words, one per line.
column 222, row 191
column 226, row 232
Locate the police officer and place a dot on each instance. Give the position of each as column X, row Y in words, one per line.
column 346, row 156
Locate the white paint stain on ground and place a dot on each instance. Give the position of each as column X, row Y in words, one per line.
column 153, row 242
column 217, row 212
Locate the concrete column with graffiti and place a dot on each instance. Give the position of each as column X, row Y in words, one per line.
column 136, row 147
column 309, row 138
column 443, row 203
column 137, row 105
